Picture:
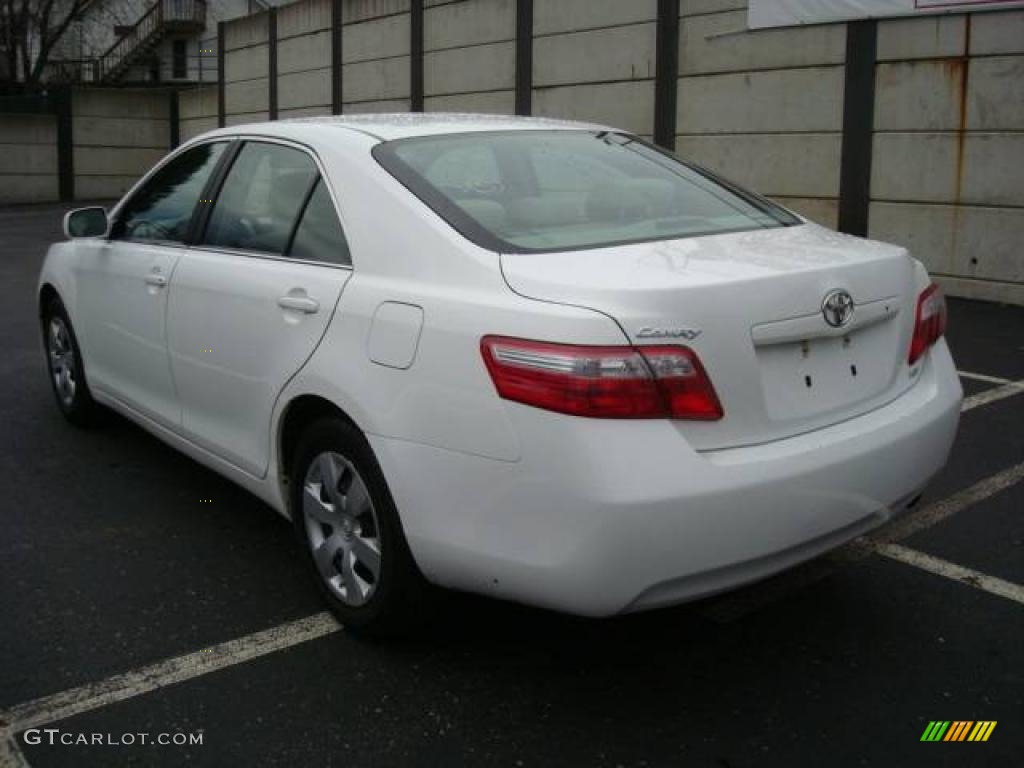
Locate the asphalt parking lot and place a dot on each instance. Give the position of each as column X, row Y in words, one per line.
column 130, row 605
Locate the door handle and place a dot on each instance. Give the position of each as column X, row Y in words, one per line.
column 155, row 278
column 299, row 303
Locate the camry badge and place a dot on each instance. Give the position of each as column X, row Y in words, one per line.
column 837, row 308
column 668, row 333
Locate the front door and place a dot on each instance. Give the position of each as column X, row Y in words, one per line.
column 123, row 284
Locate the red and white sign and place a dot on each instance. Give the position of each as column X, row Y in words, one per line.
column 792, row 13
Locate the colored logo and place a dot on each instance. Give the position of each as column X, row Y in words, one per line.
column 958, row 730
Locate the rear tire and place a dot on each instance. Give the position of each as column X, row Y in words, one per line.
column 65, row 367
column 348, row 526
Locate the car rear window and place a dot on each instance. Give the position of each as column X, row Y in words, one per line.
column 544, row 190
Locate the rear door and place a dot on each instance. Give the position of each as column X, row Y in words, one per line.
column 123, row 282
column 252, row 299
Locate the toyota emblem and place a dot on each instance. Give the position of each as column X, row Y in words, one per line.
column 837, row 308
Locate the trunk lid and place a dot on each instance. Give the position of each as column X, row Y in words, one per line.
column 750, row 305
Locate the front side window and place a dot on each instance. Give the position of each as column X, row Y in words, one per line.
column 526, row 191
column 319, row 236
column 161, row 210
column 260, row 200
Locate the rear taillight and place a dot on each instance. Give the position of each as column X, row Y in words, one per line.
column 929, row 322
column 602, row 382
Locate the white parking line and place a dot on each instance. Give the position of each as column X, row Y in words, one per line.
column 59, row 706
column 992, row 395
column 982, row 377
column 938, row 511
column 11, row 755
column 941, row 567
column 76, row 701
column 738, row 604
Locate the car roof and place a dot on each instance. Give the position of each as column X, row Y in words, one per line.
column 387, row 127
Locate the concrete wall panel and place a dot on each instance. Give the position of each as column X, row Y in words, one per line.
column 977, row 243
column 246, row 64
column 353, row 11
column 824, row 211
column 199, row 102
column 928, row 37
column 317, row 111
column 116, row 161
column 980, row 168
column 311, row 51
column 28, row 189
column 995, row 94
column 376, row 39
column 493, row 103
column 103, row 187
column 751, row 102
column 120, row 102
column 463, row 70
column 104, row 132
column 26, row 129
column 304, row 17
column 248, row 96
column 245, row 31
column 470, row 22
column 992, row 168
column 377, row 80
column 618, row 53
column 301, row 89
column 552, row 16
column 918, row 95
column 387, row 105
column 30, row 159
column 243, row 118
column 191, row 128
column 701, row 7
column 997, row 32
column 629, row 106
column 722, row 43
column 787, row 165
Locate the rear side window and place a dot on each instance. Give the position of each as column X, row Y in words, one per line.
column 319, row 236
column 161, row 210
column 544, row 190
column 260, row 200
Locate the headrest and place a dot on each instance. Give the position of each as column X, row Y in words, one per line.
column 487, row 213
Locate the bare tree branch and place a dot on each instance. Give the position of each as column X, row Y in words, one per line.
column 29, row 32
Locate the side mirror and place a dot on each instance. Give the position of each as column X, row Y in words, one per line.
column 85, row 222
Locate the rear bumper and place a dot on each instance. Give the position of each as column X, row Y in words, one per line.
column 601, row 517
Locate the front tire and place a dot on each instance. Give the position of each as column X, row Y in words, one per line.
column 64, row 361
column 346, row 521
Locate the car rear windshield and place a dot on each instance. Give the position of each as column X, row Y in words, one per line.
column 556, row 190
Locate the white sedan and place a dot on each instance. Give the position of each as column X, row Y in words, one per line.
column 539, row 360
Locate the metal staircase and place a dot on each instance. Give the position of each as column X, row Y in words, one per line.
column 164, row 18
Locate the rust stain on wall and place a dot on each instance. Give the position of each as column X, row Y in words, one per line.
column 957, row 71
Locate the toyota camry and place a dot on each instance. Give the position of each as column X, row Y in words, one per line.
column 539, row 360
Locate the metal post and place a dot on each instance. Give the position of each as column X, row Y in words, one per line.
column 858, row 127
column 524, row 57
column 666, row 79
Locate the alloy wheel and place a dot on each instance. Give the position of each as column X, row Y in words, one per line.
column 63, row 366
column 342, row 528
